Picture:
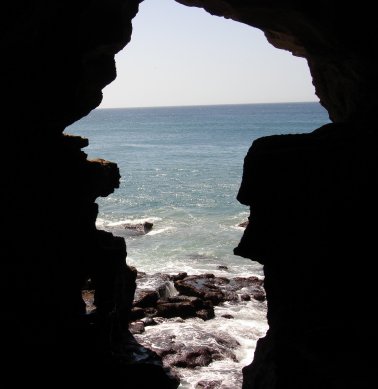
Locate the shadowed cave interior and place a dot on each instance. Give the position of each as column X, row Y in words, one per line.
column 318, row 188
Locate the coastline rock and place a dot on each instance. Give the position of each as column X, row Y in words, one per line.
column 188, row 351
column 177, row 277
column 219, row 289
column 141, row 274
column 206, row 314
column 137, row 327
column 138, row 228
column 259, row 296
column 146, row 298
column 196, row 298
column 245, row 297
column 193, row 357
column 185, row 307
column 191, row 295
column 200, row 286
column 149, row 321
column 203, row 384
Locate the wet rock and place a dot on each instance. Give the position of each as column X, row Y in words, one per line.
column 245, row 297
column 227, row 316
column 185, row 307
column 187, row 351
column 192, row 357
column 163, row 345
column 205, row 314
column 243, row 224
column 222, row 267
column 179, row 276
column 208, row 384
column 183, row 296
column 241, row 282
column 141, row 274
column 201, row 286
column 220, row 281
column 136, row 327
column 226, row 341
column 149, row 321
column 146, row 298
column 259, row 296
column 138, row 228
column 219, row 289
column 248, row 286
column 230, row 296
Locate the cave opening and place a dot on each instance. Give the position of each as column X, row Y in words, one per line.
column 312, row 199
column 180, row 156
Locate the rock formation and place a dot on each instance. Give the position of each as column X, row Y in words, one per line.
column 56, row 59
column 310, row 225
column 312, row 197
column 138, row 228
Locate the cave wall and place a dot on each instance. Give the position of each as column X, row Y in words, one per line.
column 57, row 56
column 313, row 202
column 311, row 198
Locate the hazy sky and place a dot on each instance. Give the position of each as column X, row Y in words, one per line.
column 184, row 56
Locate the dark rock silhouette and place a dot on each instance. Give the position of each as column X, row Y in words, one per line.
column 309, row 238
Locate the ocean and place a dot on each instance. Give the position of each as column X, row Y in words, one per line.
column 181, row 169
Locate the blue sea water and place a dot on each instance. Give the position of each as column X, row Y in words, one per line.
column 181, row 169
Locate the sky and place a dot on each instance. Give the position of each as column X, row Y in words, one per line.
column 182, row 55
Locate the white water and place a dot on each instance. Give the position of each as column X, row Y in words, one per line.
column 235, row 338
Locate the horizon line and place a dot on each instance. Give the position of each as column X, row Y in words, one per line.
column 209, row 105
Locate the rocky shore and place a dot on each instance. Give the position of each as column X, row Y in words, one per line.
column 171, row 299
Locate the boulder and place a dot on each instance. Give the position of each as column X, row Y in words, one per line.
column 138, row 228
